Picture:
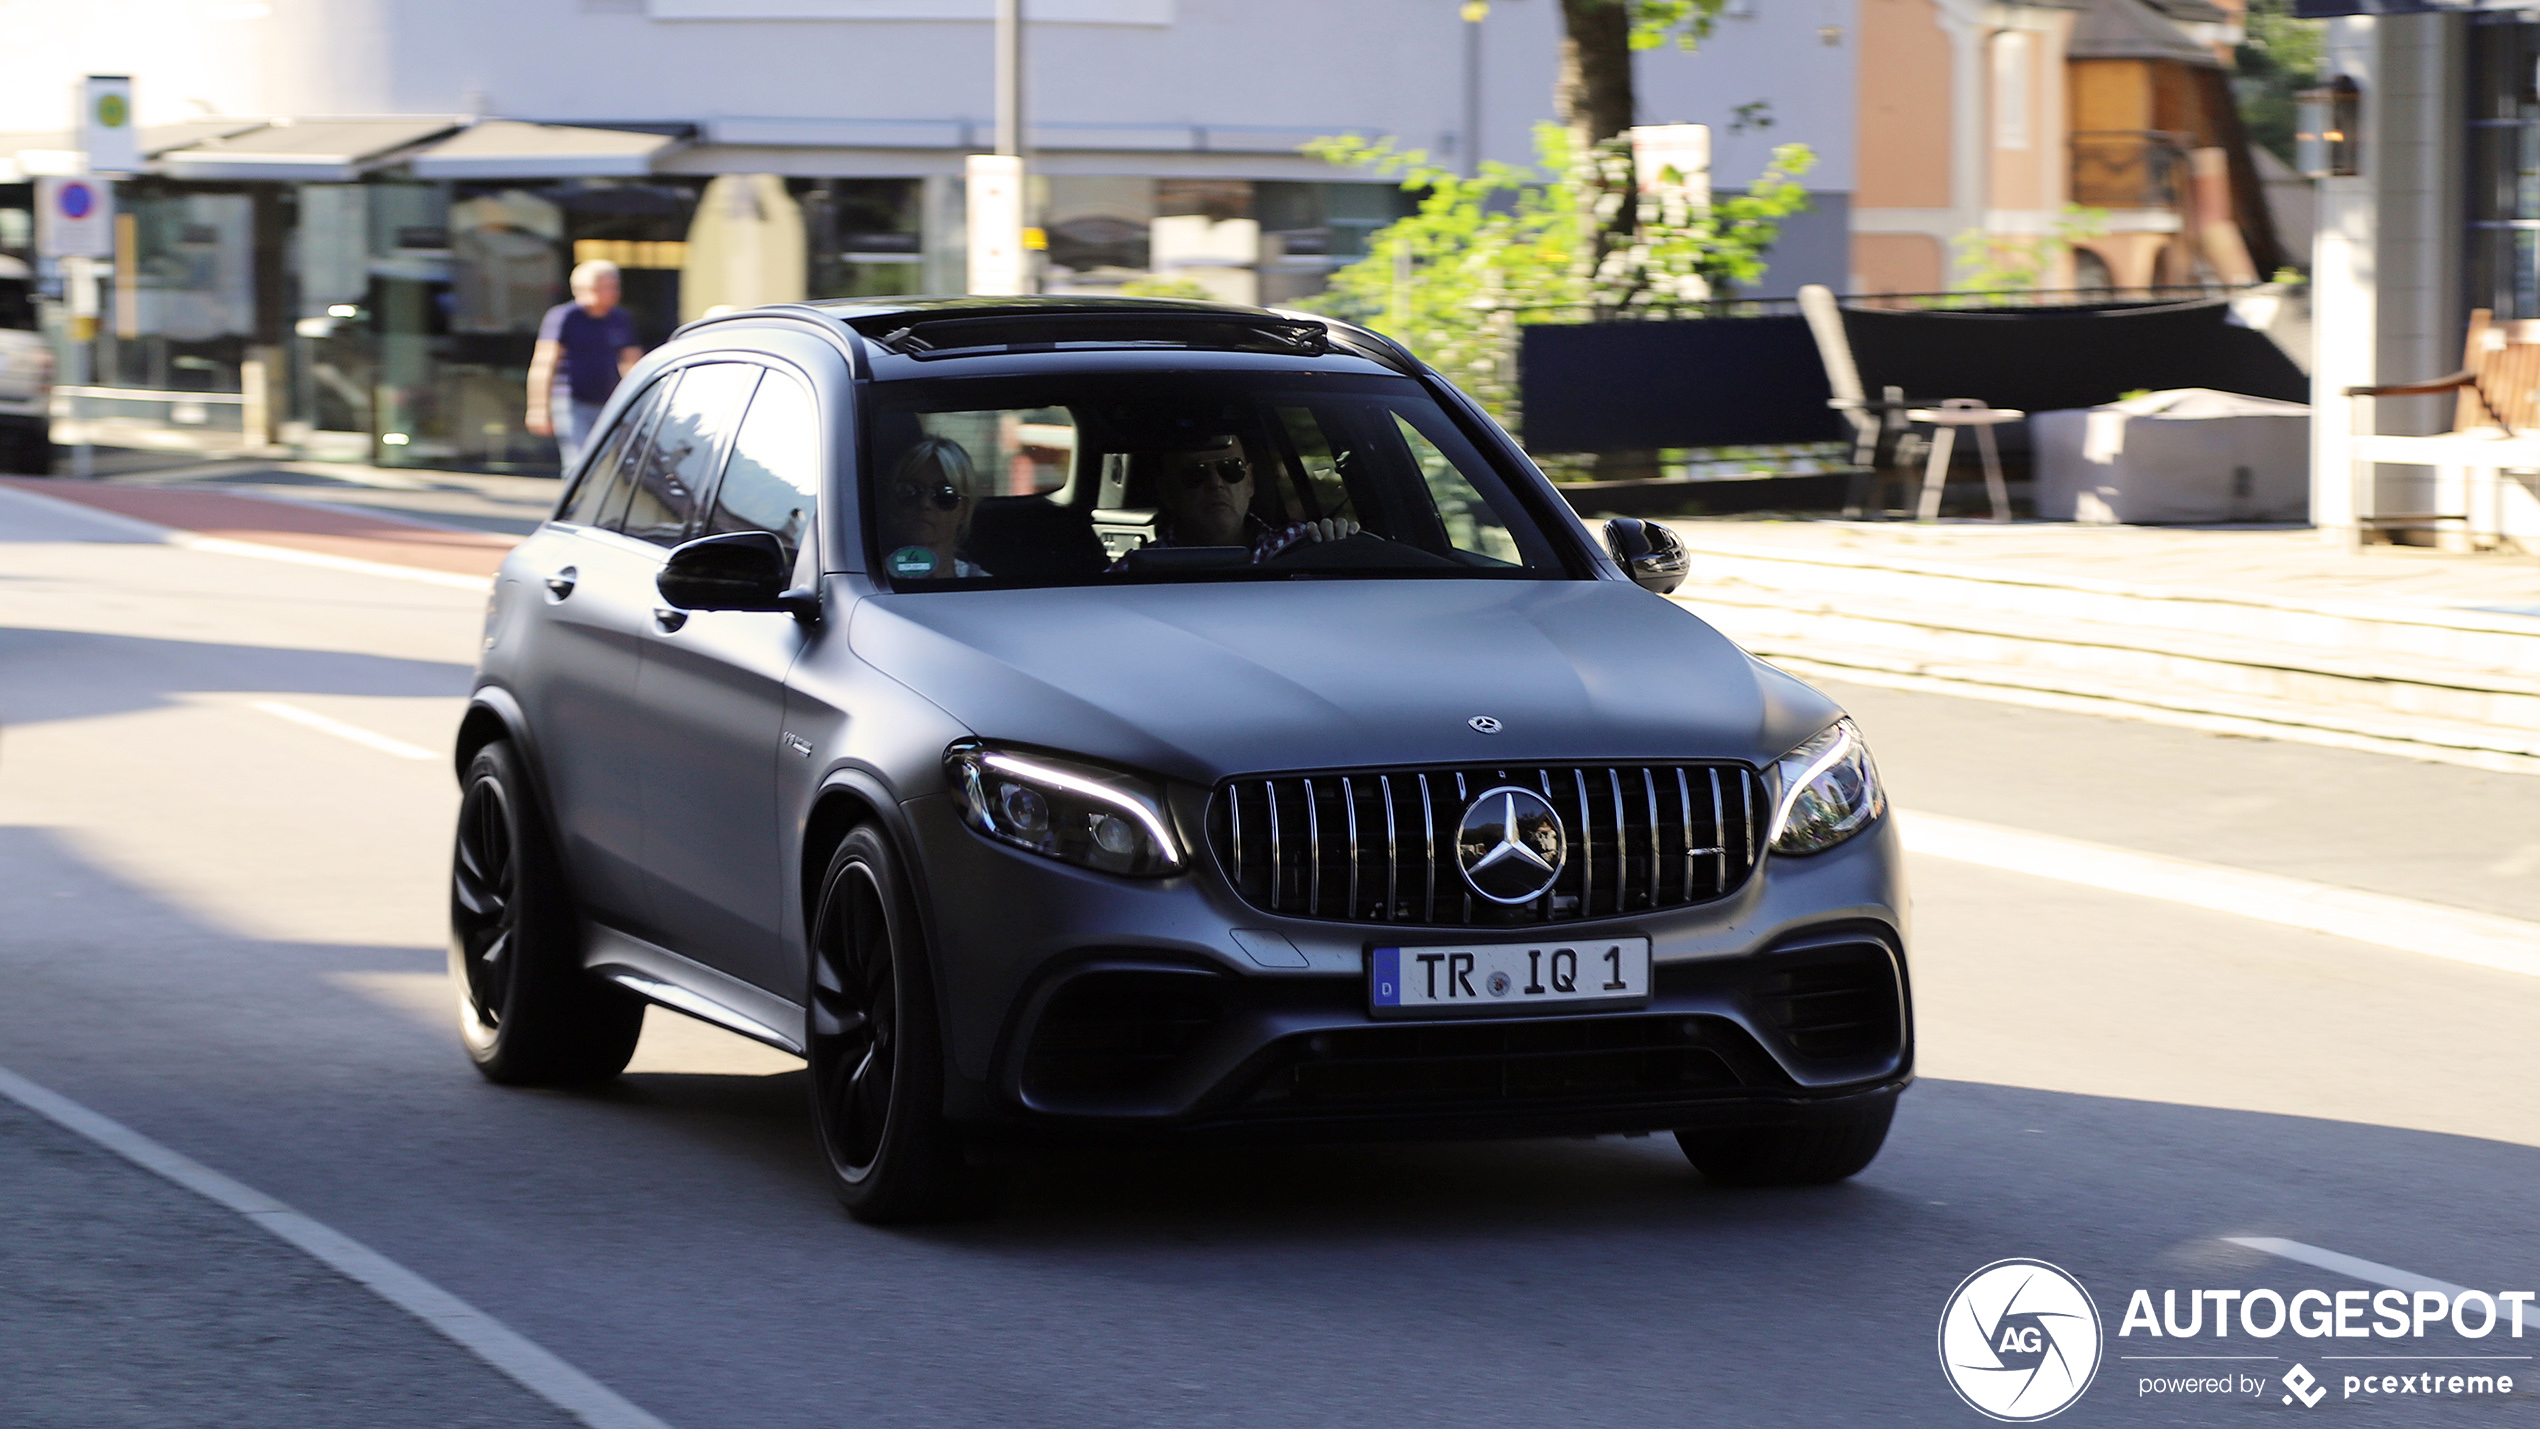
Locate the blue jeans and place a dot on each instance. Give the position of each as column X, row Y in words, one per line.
column 573, row 422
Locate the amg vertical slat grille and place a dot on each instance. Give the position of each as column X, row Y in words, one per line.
column 1379, row 846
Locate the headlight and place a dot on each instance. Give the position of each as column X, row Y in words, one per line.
column 1829, row 792
column 1078, row 813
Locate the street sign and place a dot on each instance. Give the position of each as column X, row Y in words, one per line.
column 1680, row 150
column 74, row 218
column 997, row 257
column 106, row 129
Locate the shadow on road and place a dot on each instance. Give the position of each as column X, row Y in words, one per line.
column 84, row 675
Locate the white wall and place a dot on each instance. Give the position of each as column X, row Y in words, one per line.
column 1313, row 66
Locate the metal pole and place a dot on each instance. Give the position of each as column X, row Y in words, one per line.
column 1474, row 12
column 1010, row 77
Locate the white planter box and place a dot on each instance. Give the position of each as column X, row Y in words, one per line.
column 2174, row 458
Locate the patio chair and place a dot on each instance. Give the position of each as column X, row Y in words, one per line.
column 2495, row 429
column 1884, row 440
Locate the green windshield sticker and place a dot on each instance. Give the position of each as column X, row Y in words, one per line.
column 916, row 562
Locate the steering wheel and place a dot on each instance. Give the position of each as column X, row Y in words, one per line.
column 1363, row 551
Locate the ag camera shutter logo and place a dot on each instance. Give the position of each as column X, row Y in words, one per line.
column 2020, row 1340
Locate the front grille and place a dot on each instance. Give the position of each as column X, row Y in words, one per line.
column 1378, row 846
column 1441, row 1065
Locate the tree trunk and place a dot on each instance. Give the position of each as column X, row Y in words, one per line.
column 1594, row 97
column 1594, row 91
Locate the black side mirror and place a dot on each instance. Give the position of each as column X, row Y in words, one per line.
column 1649, row 553
column 745, row 570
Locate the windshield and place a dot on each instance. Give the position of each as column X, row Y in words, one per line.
column 1086, row 478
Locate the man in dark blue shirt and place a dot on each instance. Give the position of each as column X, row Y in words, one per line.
column 584, row 347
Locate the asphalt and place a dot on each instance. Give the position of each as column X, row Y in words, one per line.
column 130, row 1301
column 222, row 929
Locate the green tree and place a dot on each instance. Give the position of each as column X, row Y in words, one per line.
column 2018, row 263
column 1512, row 245
column 2279, row 57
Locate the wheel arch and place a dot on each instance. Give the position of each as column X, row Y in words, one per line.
column 492, row 714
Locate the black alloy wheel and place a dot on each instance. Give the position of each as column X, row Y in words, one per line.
column 484, row 917
column 528, row 1012
column 875, row 1053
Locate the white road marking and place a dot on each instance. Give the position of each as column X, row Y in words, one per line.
column 480, row 1334
column 2504, row 944
column 2368, row 1271
column 222, row 546
column 341, row 730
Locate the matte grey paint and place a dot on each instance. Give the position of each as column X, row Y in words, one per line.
column 682, row 803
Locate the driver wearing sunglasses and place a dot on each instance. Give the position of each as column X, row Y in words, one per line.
column 1206, row 493
column 925, row 506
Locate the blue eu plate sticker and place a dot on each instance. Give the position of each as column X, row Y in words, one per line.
column 913, row 561
column 1388, row 977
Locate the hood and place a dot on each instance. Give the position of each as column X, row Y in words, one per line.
column 1205, row 681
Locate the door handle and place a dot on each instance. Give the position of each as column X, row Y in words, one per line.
column 668, row 619
column 562, row 582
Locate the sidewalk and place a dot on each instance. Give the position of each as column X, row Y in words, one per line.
column 449, row 522
column 2266, row 631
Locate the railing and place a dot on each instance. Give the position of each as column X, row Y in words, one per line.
column 1963, row 301
column 2127, row 168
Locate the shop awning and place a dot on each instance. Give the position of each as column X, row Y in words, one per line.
column 23, row 156
column 305, row 150
column 510, row 149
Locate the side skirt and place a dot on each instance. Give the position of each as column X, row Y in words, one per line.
column 659, row 975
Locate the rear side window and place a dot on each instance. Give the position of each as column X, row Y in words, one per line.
column 603, row 483
column 772, row 482
column 680, row 463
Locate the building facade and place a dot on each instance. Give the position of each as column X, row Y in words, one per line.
column 2429, row 210
column 351, row 213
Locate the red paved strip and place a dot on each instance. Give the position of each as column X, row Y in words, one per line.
column 277, row 523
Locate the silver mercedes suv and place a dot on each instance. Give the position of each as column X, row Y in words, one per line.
column 1064, row 717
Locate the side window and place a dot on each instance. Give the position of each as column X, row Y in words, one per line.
column 1471, row 525
column 772, row 482
column 679, row 465
column 606, row 475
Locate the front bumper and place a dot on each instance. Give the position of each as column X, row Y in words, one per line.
column 1082, row 1003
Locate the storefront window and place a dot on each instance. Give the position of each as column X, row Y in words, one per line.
column 2504, row 143
column 866, row 237
column 460, row 275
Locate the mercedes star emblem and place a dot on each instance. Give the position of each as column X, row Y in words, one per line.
column 1511, row 845
column 1484, row 723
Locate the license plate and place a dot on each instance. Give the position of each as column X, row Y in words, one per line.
column 1507, row 977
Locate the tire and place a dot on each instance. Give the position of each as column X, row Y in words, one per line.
column 875, row 1047
column 529, row 1014
column 1826, row 1146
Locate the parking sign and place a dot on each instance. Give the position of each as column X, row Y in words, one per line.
column 74, row 218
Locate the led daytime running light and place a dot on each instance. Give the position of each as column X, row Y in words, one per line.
column 1086, row 788
column 1793, row 788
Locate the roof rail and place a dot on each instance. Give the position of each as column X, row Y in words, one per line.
column 921, row 336
column 803, row 315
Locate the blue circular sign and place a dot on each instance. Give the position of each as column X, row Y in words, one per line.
column 76, row 200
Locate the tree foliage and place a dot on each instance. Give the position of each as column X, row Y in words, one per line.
column 1511, row 245
column 2279, row 56
column 2019, row 262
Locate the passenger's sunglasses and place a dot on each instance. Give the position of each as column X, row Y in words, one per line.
column 946, row 497
column 1231, row 470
